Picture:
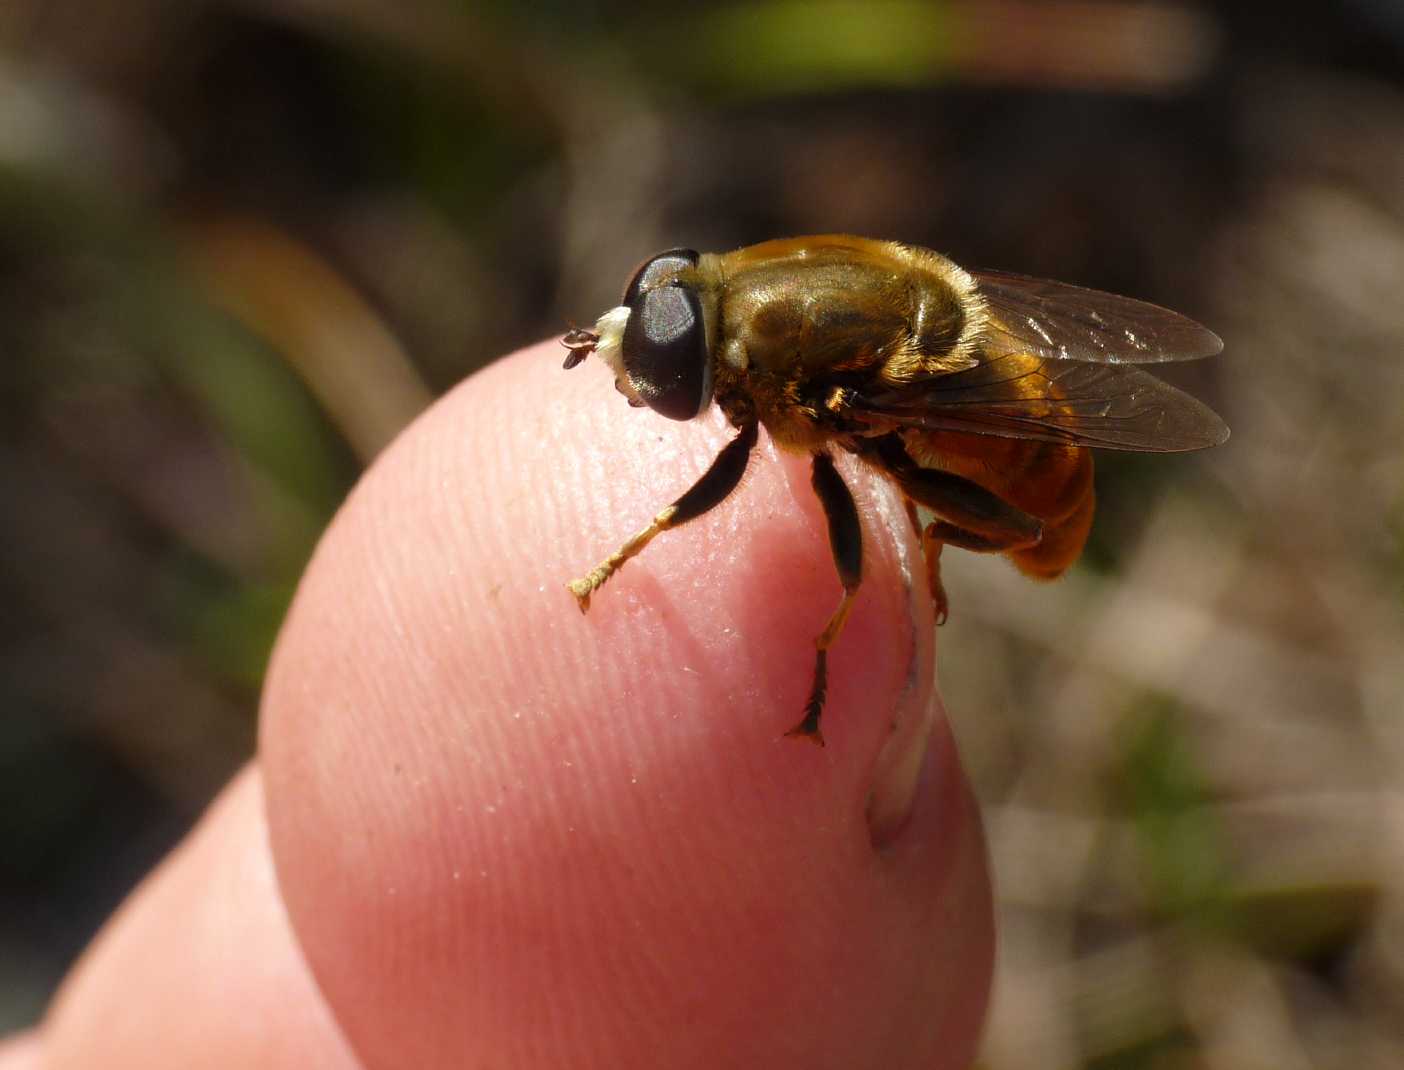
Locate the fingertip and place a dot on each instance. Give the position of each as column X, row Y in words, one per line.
column 489, row 812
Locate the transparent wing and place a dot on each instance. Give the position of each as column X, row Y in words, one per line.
column 1063, row 322
column 1023, row 395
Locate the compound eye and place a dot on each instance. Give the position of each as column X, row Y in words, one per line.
column 654, row 269
column 665, row 350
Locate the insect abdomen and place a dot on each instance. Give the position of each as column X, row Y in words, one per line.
column 1066, row 495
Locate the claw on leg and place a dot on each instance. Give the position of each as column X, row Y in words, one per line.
column 593, row 580
column 808, row 728
column 932, row 546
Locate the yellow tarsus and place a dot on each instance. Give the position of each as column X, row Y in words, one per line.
column 593, row 580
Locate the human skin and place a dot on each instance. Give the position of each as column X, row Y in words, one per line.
column 485, row 831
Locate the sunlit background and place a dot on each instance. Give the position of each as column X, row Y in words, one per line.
column 244, row 242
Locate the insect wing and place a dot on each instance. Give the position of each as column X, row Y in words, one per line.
column 1063, row 322
column 1022, row 395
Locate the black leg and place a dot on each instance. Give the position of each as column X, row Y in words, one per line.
column 846, row 544
column 973, row 518
column 964, row 504
column 716, row 483
column 942, row 532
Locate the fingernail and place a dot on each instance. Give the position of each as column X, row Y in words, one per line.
column 899, row 766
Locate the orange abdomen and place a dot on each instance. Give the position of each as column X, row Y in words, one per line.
column 1047, row 480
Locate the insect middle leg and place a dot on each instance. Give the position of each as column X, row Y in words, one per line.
column 846, row 544
column 716, row 483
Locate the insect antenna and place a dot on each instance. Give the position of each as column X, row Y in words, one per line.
column 581, row 343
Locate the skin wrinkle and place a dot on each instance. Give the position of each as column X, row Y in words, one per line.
column 917, row 704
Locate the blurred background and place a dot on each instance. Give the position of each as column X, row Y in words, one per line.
column 244, row 242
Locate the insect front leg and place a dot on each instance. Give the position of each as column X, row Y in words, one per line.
column 716, row 483
column 846, row 544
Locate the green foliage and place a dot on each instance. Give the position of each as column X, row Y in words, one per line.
column 1183, row 856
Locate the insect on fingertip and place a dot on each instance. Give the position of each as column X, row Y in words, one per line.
column 979, row 394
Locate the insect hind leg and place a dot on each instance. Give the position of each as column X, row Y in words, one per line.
column 970, row 516
column 934, row 538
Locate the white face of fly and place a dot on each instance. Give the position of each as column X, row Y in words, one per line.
column 610, row 328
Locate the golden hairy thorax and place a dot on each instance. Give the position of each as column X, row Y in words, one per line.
column 800, row 317
column 799, row 312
